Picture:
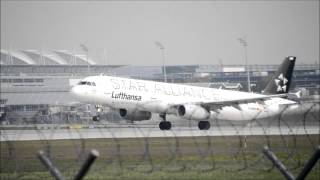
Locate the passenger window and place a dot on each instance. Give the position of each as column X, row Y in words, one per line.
column 89, row 83
column 93, row 84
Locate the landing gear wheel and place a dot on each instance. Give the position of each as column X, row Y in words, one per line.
column 165, row 125
column 204, row 125
column 162, row 125
column 168, row 125
column 96, row 118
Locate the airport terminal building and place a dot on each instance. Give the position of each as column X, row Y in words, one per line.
column 35, row 85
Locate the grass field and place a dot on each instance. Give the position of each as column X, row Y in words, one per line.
column 162, row 158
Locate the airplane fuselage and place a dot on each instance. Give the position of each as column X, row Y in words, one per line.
column 158, row 97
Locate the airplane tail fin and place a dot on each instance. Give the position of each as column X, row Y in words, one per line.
column 281, row 80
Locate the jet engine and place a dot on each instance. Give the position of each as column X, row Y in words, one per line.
column 193, row 112
column 135, row 115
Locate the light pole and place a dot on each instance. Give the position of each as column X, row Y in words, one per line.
column 84, row 48
column 105, row 56
column 244, row 43
column 161, row 47
column 74, row 57
column 106, row 59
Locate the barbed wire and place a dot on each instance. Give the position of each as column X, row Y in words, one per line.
column 228, row 148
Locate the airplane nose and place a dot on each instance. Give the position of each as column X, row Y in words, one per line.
column 78, row 93
column 75, row 91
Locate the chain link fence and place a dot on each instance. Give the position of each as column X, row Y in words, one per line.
column 139, row 150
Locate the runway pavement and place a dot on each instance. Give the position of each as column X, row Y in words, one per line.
column 135, row 131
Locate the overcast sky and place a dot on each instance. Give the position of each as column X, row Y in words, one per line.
column 192, row 32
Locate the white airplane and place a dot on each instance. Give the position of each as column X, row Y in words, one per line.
column 136, row 100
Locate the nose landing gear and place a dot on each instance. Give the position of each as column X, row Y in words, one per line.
column 98, row 111
column 96, row 118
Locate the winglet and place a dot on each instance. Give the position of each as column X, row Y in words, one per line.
column 281, row 80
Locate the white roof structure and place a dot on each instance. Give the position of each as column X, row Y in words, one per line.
column 76, row 58
column 46, row 57
column 15, row 57
column 38, row 57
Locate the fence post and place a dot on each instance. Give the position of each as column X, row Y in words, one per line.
column 282, row 168
column 307, row 168
column 86, row 165
column 54, row 171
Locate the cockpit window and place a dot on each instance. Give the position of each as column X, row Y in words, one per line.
column 82, row 83
column 87, row 83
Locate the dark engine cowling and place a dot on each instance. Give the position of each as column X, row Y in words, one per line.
column 193, row 112
column 135, row 115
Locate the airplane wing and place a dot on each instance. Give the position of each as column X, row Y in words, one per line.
column 216, row 105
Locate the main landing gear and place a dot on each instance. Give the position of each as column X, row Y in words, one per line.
column 164, row 125
column 204, row 125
